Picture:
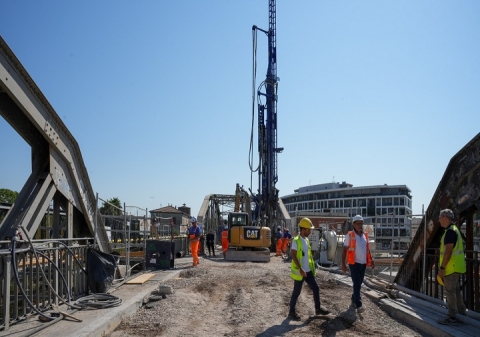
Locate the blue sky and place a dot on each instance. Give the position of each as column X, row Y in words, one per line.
column 158, row 93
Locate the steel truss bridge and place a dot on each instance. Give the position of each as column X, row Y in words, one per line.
column 59, row 179
column 216, row 207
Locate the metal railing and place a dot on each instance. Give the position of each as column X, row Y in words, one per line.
column 45, row 275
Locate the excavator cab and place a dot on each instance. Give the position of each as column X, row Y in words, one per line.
column 238, row 219
column 244, row 236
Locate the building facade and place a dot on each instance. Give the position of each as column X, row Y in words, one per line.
column 180, row 216
column 385, row 208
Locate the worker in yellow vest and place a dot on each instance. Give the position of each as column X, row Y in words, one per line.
column 356, row 253
column 303, row 269
column 452, row 265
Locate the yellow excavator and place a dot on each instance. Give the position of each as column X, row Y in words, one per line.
column 247, row 241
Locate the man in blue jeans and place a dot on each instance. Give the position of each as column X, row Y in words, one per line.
column 356, row 253
column 303, row 269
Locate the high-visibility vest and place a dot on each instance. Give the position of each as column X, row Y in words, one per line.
column 353, row 245
column 295, row 272
column 456, row 264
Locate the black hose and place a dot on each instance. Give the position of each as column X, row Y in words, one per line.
column 61, row 275
column 99, row 301
column 35, row 252
column 73, row 255
column 17, row 279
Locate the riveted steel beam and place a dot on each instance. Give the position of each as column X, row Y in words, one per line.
column 57, row 163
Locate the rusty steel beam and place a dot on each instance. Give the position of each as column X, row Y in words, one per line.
column 459, row 190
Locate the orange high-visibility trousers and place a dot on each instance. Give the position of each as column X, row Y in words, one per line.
column 279, row 246
column 194, row 249
column 224, row 245
column 224, row 242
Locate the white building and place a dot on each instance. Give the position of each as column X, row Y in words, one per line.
column 387, row 207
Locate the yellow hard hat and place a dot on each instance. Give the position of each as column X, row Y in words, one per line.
column 306, row 223
column 440, row 280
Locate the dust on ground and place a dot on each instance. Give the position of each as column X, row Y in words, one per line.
column 241, row 299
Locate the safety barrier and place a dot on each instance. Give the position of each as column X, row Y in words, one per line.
column 50, row 273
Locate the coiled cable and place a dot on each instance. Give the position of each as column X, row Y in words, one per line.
column 98, row 301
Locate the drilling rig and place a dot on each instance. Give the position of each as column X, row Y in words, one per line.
column 266, row 200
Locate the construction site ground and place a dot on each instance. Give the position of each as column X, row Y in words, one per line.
column 220, row 298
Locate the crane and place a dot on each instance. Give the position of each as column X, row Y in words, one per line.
column 266, row 200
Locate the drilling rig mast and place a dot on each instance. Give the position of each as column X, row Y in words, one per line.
column 267, row 198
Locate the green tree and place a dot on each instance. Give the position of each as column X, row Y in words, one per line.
column 7, row 195
column 108, row 209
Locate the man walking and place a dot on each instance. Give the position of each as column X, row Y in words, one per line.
column 194, row 236
column 303, row 269
column 356, row 252
column 452, row 265
column 211, row 243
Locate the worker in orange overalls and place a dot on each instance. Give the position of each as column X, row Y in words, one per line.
column 279, row 241
column 225, row 241
column 194, row 236
column 286, row 239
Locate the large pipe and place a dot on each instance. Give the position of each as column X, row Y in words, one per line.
column 180, row 254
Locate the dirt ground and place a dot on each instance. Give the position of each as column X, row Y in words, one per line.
column 220, row 298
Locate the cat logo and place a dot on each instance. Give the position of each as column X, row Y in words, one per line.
column 251, row 234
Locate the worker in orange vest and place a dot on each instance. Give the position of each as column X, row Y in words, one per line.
column 194, row 236
column 225, row 241
column 286, row 239
column 356, row 253
column 279, row 241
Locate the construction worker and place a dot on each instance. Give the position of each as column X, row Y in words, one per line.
column 279, row 241
column 452, row 265
column 225, row 241
column 286, row 240
column 356, row 253
column 194, row 236
column 303, row 269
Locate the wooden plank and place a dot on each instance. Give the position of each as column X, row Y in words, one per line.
column 141, row 279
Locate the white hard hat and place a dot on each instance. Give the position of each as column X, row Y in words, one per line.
column 193, row 219
column 357, row 218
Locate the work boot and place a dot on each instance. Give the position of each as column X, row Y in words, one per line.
column 448, row 320
column 360, row 310
column 294, row 316
column 321, row 311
